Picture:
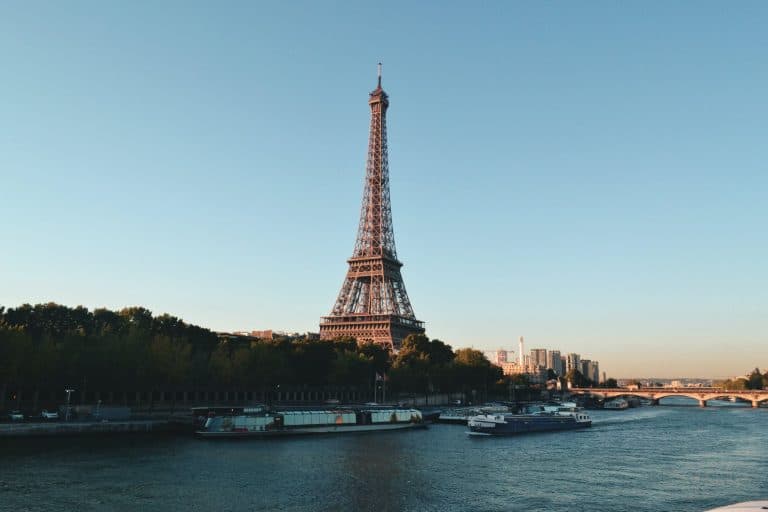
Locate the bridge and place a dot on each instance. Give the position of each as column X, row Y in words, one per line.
column 754, row 396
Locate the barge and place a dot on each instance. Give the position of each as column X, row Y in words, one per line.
column 543, row 420
column 261, row 422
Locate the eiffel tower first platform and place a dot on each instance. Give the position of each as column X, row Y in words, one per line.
column 372, row 304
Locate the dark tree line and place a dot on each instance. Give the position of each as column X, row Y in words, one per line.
column 50, row 346
column 753, row 380
column 429, row 366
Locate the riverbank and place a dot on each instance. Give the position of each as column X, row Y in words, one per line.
column 73, row 428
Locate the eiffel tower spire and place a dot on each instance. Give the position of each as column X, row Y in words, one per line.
column 373, row 304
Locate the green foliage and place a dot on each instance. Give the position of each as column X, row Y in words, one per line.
column 755, row 379
column 472, row 369
column 50, row 346
column 578, row 380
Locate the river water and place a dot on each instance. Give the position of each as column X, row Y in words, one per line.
column 647, row 459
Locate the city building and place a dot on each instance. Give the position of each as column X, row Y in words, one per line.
column 538, row 361
column 555, row 362
column 591, row 370
column 499, row 357
column 539, row 357
column 535, row 374
column 572, row 362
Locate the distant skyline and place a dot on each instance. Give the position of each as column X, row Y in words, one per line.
column 591, row 176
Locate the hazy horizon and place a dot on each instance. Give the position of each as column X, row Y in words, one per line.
column 592, row 177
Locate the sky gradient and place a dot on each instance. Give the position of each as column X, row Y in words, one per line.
column 591, row 176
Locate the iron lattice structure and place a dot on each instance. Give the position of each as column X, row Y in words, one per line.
column 373, row 304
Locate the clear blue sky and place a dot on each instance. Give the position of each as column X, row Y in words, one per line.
column 589, row 175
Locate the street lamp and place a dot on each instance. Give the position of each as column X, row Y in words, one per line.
column 69, row 394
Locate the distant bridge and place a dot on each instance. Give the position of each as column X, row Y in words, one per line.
column 655, row 394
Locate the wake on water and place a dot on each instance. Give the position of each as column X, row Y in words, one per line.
column 627, row 416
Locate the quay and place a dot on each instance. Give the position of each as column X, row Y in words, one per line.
column 73, row 428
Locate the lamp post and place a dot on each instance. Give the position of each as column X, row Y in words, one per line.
column 69, row 394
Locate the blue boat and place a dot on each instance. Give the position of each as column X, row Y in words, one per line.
column 545, row 419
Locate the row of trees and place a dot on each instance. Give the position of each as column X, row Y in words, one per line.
column 754, row 380
column 50, row 346
column 579, row 380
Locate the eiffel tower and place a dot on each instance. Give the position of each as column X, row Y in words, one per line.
column 372, row 304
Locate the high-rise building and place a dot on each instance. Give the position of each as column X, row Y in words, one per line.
column 572, row 362
column 591, row 370
column 584, row 366
column 539, row 357
column 499, row 357
column 372, row 304
column 554, row 361
column 521, row 351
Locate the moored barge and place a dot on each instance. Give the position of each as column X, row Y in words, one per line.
column 260, row 422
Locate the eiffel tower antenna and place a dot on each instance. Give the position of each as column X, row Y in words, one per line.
column 373, row 305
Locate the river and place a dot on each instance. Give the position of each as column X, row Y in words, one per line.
column 647, row 459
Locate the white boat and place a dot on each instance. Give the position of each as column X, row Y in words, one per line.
column 261, row 422
column 460, row 415
column 616, row 404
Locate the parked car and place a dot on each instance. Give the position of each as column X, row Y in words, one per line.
column 49, row 415
column 16, row 416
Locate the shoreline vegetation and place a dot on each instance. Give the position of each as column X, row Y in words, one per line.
column 130, row 356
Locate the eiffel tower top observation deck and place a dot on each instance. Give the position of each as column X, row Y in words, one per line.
column 373, row 304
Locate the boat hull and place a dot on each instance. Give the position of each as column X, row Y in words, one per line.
column 454, row 420
column 259, row 422
column 330, row 429
column 523, row 424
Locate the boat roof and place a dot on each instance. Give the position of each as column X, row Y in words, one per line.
column 250, row 409
column 227, row 410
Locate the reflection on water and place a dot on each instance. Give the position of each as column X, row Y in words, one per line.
column 378, row 471
column 646, row 459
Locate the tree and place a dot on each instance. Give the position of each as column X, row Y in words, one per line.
column 378, row 355
column 576, row 378
column 755, row 379
column 473, row 371
column 737, row 384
